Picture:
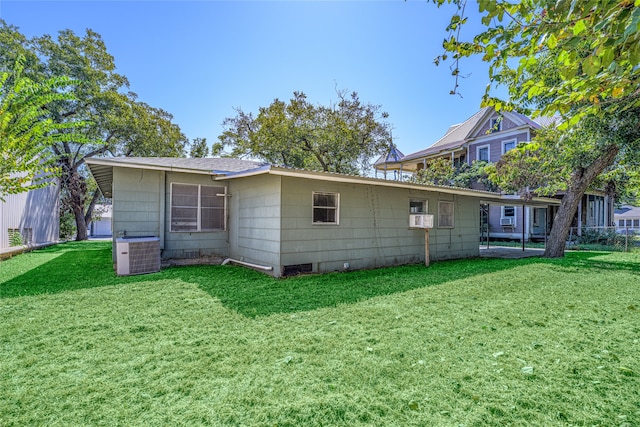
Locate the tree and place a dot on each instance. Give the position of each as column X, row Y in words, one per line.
column 199, row 148
column 591, row 52
column 114, row 122
column 441, row 172
column 343, row 137
column 26, row 134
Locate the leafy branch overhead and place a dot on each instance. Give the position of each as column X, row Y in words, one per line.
column 342, row 137
column 594, row 46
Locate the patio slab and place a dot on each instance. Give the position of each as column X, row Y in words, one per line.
column 509, row 252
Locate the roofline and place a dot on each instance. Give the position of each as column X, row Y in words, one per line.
column 115, row 163
column 489, row 196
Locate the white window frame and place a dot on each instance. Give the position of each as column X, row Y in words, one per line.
column 480, row 147
column 199, row 208
column 440, row 214
column 515, row 215
column 336, row 208
column 509, row 141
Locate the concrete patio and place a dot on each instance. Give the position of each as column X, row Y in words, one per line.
column 509, row 252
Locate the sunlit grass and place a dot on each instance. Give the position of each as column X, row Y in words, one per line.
column 475, row 343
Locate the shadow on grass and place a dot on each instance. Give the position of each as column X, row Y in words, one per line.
column 88, row 265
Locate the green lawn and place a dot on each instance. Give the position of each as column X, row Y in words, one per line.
column 463, row 343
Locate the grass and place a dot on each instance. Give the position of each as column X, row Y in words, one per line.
column 474, row 343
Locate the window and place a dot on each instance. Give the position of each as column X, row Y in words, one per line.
column 482, row 153
column 536, row 217
column 621, row 222
column 636, row 223
column 417, row 206
column 495, row 125
column 197, row 207
column 326, row 208
column 15, row 238
column 508, row 145
column 508, row 216
column 445, row 214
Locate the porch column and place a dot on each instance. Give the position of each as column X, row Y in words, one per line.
column 579, row 231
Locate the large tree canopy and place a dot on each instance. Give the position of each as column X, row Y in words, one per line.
column 115, row 123
column 343, row 137
column 577, row 59
column 26, row 133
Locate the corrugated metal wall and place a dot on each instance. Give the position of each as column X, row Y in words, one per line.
column 35, row 214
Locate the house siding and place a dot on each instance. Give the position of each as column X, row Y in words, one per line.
column 36, row 210
column 373, row 228
column 495, row 145
column 254, row 220
column 181, row 245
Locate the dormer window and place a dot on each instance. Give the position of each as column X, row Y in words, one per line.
column 495, row 125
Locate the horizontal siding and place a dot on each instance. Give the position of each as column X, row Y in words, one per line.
column 254, row 221
column 373, row 228
column 495, row 145
column 181, row 245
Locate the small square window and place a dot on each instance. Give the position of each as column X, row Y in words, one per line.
column 417, row 206
column 326, row 208
column 445, row 214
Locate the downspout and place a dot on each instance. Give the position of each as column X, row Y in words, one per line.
column 247, row 264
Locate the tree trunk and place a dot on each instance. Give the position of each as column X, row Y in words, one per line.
column 578, row 184
column 81, row 225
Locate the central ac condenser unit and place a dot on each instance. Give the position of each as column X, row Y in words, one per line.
column 137, row 255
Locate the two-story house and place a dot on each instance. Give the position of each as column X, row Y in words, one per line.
column 486, row 136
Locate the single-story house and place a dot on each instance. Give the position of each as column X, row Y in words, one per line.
column 285, row 220
column 627, row 218
column 101, row 223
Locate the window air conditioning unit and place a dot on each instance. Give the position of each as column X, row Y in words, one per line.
column 506, row 221
column 137, row 255
column 420, row 221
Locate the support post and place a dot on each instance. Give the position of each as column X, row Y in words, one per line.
column 523, row 227
column 426, row 247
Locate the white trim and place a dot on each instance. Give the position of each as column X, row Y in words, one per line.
column 508, row 141
column 336, row 208
column 480, row 147
column 198, row 209
column 503, row 134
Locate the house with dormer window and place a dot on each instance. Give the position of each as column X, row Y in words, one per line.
column 487, row 136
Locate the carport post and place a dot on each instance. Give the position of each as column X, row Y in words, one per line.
column 426, row 247
column 523, row 208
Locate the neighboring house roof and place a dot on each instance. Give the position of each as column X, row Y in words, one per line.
column 104, row 167
column 458, row 135
column 394, row 155
column 627, row 212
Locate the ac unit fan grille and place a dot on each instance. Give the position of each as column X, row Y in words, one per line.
column 144, row 257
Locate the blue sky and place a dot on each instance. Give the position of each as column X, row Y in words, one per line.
column 200, row 59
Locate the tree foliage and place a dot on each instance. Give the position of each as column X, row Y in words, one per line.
column 343, row 137
column 441, row 171
column 577, row 59
column 113, row 121
column 26, row 133
column 199, row 148
column 594, row 46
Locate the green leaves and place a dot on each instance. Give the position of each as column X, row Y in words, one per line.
column 342, row 137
